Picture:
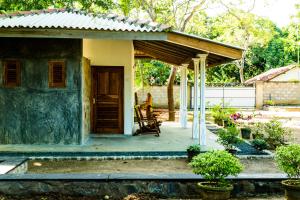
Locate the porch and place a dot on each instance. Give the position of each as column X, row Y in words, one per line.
column 173, row 139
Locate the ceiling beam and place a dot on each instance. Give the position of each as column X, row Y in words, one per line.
column 205, row 45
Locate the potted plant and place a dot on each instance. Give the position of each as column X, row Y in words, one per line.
column 215, row 166
column 192, row 151
column 259, row 144
column 288, row 160
column 257, row 130
column 267, row 104
column 246, row 132
column 229, row 137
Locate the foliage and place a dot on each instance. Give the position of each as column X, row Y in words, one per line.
column 229, row 137
column 216, row 165
column 221, row 114
column 257, row 130
column 288, row 160
column 89, row 5
column 272, row 132
column 269, row 102
column 259, row 144
column 275, row 133
column 193, row 151
column 194, row 148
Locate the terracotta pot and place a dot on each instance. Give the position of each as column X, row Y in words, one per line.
column 292, row 189
column 192, row 154
column 211, row 191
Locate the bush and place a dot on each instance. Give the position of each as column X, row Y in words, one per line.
column 257, row 130
column 275, row 133
column 216, row 165
column 192, row 151
column 221, row 114
column 259, row 144
column 272, row 132
column 229, row 137
column 269, row 102
column 288, row 160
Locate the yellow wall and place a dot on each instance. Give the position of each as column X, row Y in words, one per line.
column 115, row 53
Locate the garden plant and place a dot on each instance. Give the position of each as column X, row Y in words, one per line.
column 229, row 137
column 288, row 160
column 215, row 166
column 192, row 151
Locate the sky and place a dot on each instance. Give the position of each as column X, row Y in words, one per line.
column 279, row 11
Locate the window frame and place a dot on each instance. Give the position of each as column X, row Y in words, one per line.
column 52, row 84
column 18, row 73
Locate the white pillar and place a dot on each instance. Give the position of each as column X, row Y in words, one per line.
column 183, row 96
column 196, row 97
column 202, row 99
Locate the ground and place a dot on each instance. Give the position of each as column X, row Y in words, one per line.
column 180, row 166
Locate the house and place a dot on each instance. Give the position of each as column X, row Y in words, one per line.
column 288, row 73
column 66, row 74
column 278, row 86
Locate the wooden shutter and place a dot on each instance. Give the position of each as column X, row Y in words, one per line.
column 12, row 73
column 57, row 74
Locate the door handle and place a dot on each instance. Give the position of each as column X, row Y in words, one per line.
column 94, row 100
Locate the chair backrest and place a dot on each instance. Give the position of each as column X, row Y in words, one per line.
column 137, row 113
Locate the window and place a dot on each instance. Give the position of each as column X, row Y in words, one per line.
column 12, row 73
column 57, row 74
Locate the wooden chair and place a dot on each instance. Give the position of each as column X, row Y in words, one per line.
column 146, row 125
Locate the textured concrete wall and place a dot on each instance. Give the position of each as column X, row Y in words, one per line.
column 34, row 113
column 160, row 95
column 282, row 92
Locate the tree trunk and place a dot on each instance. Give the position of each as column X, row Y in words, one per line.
column 171, row 105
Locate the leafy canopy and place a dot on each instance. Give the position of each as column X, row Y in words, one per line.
column 216, row 165
column 288, row 160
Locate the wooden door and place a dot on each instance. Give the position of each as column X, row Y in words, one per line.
column 107, row 102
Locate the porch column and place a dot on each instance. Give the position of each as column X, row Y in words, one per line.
column 196, row 98
column 183, row 96
column 202, row 100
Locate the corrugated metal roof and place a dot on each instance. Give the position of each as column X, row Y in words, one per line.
column 72, row 19
column 270, row 74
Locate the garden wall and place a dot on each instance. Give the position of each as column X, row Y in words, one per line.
column 118, row 186
column 160, row 95
column 281, row 93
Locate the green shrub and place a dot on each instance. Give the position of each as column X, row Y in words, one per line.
column 215, row 166
column 275, row 133
column 269, row 102
column 288, row 160
column 259, row 144
column 229, row 137
column 272, row 132
column 221, row 114
column 194, row 148
column 192, row 151
column 258, row 130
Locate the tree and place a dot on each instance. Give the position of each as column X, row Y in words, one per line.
column 88, row 5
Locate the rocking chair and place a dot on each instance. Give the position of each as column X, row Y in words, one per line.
column 147, row 125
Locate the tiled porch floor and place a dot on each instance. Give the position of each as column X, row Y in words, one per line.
column 172, row 138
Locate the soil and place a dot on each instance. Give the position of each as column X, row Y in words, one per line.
column 137, row 166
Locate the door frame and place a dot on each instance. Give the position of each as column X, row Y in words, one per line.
column 121, row 110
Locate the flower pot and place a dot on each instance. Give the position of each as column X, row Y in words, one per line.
column 212, row 191
column 232, row 151
column 245, row 132
column 292, row 189
column 192, row 154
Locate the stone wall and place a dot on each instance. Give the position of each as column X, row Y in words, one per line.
column 80, row 188
column 282, row 93
column 160, row 95
column 33, row 113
